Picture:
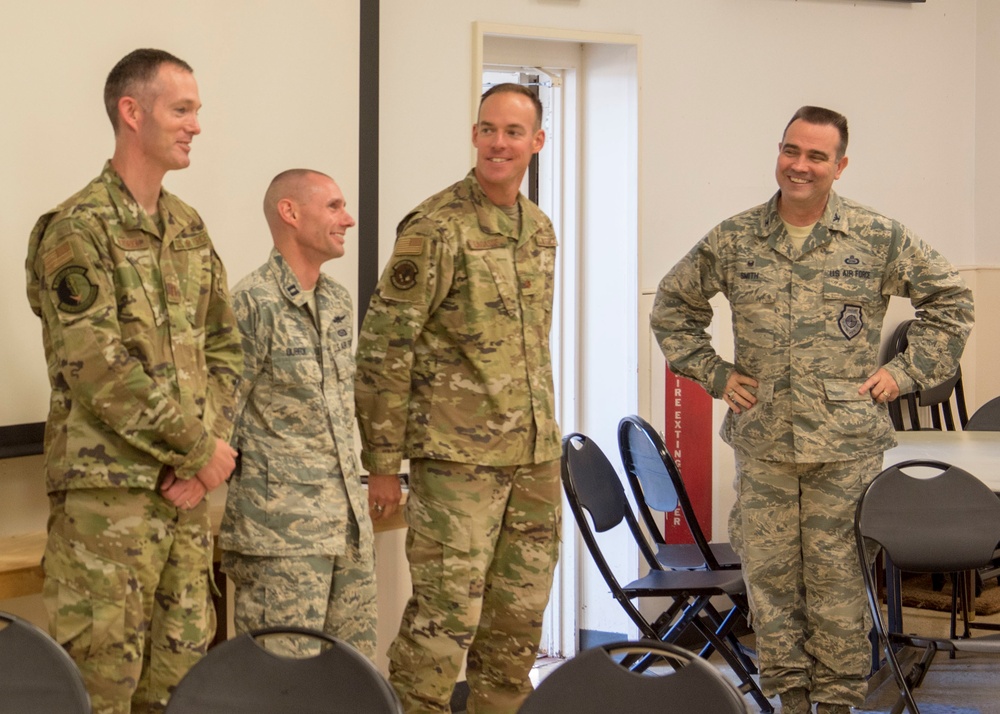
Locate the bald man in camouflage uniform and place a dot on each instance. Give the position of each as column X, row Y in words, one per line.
column 296, row 532
column 144, row 360
column 809, row 275
column 454, row 373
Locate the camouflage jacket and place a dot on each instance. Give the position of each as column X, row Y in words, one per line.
column 141, row 344
column 807, row 325
column 297, row 490
column 453, row 355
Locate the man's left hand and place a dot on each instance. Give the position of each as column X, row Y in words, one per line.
column 384, row 495
column 881, row 386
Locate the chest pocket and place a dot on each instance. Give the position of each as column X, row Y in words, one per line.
column 852, row 278
column 297, row 404
column 754, row 299
column 192, row 265
column 492, row 276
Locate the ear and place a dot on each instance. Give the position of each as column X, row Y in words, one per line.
column 288, row 211
column 129, row 112
column 538, row 141
column 841, row 165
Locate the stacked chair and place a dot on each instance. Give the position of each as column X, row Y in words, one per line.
column 598, row 503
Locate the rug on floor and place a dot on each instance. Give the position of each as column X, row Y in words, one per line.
column 917, row 592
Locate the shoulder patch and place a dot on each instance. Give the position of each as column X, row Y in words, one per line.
column 75, row 290
column 409, row 245
column 57, row 257
column 404, row 274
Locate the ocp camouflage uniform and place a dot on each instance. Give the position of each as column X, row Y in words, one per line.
column 807, row 326
column 296, row 532
column 144, row 360
column 454, row 373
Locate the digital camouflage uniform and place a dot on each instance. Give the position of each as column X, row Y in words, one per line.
column 143, row 360
column 296, row 531
column 807, row 326
column 454, row 373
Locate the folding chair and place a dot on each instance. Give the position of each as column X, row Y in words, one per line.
column 592, row 487
column 240, row 676
column 36, row 674
column 937, row 398
column 657, row 484
column 948, row 523
column 986, row 418
column 673, row 680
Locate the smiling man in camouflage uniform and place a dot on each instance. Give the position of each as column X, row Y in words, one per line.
column 144, row 360
column 296, row 533
column 454, row 373
column 809, row 276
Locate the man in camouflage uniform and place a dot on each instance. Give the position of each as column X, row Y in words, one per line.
column 296, row 533
column 809, row 276
column 144, row 360
column 454, row 373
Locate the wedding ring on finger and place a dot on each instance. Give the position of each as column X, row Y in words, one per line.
column 732, row 394
column 378, row 508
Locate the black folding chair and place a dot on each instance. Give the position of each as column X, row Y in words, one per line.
column 657, row 485
column 673, row 680
column 986, row 418
column 240, row 676
column 948, row 523
column 36, row 674
column 937, row 399
column 592, row 487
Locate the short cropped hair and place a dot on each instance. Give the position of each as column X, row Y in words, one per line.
column 133, row 73
column 512, row 88
column 823, row 117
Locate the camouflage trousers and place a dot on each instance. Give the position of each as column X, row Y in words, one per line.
column 332, row 594
column 482, row 545
column 793, row 526
column 128, row 592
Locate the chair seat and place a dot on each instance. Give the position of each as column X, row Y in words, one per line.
column 695, row 582
column 688, row 556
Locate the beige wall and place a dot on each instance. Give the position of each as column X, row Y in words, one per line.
column 719, row 78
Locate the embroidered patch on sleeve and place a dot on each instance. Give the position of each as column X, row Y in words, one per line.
column 404, row 275
column 75, row 290
column 57, row 257
column 409, row 245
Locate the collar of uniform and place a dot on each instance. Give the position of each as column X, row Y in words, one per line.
column 287, row 280
column 833, row 217
column 493, row 220
column 130, row 214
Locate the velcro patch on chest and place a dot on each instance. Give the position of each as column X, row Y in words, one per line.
column 850, row 322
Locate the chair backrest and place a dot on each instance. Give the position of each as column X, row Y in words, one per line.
column 674, row 680
column 937, row 399
column 656, row 481
column 240, row 676
column 36, row 674
column 592, row 487
column 949, row 522
column 986, row 418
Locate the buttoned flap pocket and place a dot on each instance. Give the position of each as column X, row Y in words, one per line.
column 844, row 390
column 499, row 277
column 84, row 595
column 852, row 278
column 297, row 406
column 441, row 524
column 346, row 366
